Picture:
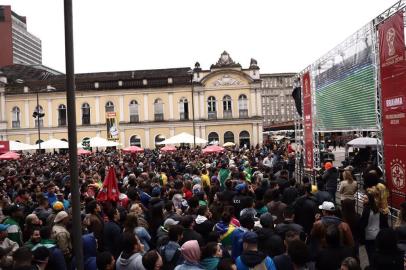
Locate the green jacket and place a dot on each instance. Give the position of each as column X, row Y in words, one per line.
column 14, row 231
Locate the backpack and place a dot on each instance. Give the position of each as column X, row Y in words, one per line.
column 169, row 265
column 261, row 266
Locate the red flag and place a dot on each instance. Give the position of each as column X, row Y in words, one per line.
column 109, row 191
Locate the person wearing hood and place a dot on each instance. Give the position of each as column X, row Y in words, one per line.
column 251, row 257
column 191, row 253
column 131, row 257
column 211, row 255
column 89, row 253
column 203, row 225
column 330, row 178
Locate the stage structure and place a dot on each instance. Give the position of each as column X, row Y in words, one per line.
column 360, row 85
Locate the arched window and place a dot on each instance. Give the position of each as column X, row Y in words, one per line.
column 184, row 109
column 62, row 115
column 243, row 106
column 15, row 117
column 134, row 116
column 228, row 137
column 109, row 106
column 244, row 139
column 159, row 138
column 39, row 110
column 213, row 138
column 135, row 140
column 227, row 107
column 211, row 107
column 158, row 110
column 85, row 114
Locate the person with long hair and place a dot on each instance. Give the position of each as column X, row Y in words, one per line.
column 348, row 187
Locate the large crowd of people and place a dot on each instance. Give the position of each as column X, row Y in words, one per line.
column 239, row 209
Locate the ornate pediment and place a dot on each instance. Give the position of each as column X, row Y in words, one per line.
column 226, row 80
column 225, row 61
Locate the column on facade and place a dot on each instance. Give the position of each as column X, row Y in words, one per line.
column 253, row 111
column 97, row 109
column 258, row 102
column 171, row 131
column 170, row 97
column 203, row 132
column 27, row 113
column 146, row 135
column 122, row 138
column 2, row 105
column 27, row 139
column 49, row 112
column 146, row 117
column 202, row 105
column 260, row 134
column 254, row 134
column 121, row 105
column 196, row 107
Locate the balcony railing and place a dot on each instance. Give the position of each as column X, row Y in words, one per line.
column 228, row 114
column 61, row 122
column 159, row 117
column 86, row 120
column 184, row 116
column 134, row 118
column 243, row 113
column 15, row 124
column 212, row 115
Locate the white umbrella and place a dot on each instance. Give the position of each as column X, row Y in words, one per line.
column 183, row 138
column 364, row 142
column 99, row 142
column 17, row 146
column 53, row 144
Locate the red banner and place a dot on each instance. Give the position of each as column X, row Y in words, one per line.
column 4, row 147
column 393, row 91
column 308, row 122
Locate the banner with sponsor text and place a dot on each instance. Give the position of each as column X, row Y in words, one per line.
column 393, row 92
column 308, row 120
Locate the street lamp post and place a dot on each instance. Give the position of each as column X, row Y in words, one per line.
column 38, row 114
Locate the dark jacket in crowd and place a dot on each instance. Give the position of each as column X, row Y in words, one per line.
column 190, row 234
column 305, row 211
column 287, row 225
column 269, row 242
column 330, row 178
column 89, row 253
column 250, row 259
column 331, row 258
column 111, row 238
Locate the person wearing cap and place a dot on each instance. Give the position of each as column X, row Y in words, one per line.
column 318, row 233
column 251, row 257
column 241, row 200
column 61, row 235
column 60, row 198
column 8, row 246
column 14, row 230
column 330, row 178
column 162, row 233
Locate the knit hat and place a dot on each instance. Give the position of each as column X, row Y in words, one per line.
column 58, row 206
column 328, row 165
column 191, row 251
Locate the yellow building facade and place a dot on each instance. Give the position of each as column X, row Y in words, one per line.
column 223, row 103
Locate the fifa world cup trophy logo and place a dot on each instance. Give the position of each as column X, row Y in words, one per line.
column 390, row 39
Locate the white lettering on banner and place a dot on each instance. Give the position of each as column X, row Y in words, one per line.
column 395, row 116
column 394, row 102
column 308, row 117
column 2, row 146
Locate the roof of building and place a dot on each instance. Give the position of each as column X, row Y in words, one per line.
column 36, row 77
column 285, row 74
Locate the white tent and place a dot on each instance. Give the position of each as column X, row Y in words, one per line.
column 17, row 146
column 183, row 138
column 99, row 142
column 53, row 144
column 364, row 142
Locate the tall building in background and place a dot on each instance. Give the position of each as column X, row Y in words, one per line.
column 278, row 106
column 17, row 45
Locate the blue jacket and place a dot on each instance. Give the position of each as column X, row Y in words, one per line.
column 89, row 253
column 237, row 243
column 250, row 259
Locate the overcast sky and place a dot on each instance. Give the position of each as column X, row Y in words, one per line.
column 282, row 35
